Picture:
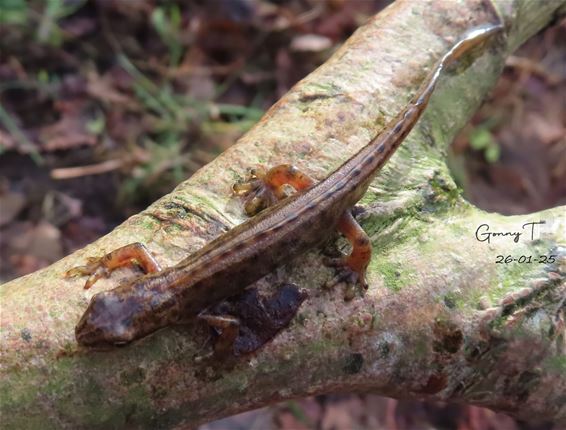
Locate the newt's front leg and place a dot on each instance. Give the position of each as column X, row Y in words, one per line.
column 263, row 189
column 133, row 254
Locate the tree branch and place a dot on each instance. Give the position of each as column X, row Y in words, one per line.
column 441, row 319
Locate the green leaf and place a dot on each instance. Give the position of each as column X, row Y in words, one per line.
column 481, row 138
column 175, row 17
column 96, row 125
column 492, row 153
column 159, row 21
column 43, row 76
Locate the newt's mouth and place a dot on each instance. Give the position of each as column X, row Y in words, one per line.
column 89, row 335
column 95, row 337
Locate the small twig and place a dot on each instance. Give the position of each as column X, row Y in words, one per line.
column 92, row 169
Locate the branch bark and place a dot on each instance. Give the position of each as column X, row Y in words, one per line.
column 441, row 319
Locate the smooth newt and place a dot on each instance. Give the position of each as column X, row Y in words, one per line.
column 229, row 264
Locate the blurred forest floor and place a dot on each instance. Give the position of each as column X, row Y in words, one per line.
column 106, row 105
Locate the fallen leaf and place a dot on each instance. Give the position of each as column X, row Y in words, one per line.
column 11, row 204
column 68, row 132
column 103, row 89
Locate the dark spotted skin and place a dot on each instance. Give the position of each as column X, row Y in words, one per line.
column 230, row 263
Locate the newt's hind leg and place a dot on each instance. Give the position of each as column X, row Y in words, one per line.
column 133, row 254
column 263, row 189
column 352, row 268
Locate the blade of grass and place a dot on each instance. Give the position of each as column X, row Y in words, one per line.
column 8, row 122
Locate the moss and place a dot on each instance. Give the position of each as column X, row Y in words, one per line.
column 441, row 194
column 72, row 393
column 512, row 276
column 132, row 376
column 62, row 390
column 555, row 364
column 318, row 346
column 191, row 200
column 391, row 236
column 325, row 88
column 395, row 275
column 134, row 406
column 27, row 421
column 458, row 229
column 420, row 346
column 177, row 210
column 148, row 223
column 453, row 300
column 16, row 394
column 235, row 381
column 174, row 228
column 412, row 211
column 57, row 385
column 392, row 230
column 159, row 346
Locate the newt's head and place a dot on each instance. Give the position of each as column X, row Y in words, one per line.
column 126, row 313
column 110, row 319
